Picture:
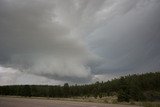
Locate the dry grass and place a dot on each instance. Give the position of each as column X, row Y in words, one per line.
column 110, row 100
column 149, row 104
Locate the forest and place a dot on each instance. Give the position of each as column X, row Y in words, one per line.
column 136, row 87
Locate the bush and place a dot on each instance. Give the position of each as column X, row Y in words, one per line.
column 150, row 104
column 123, row 96
column 152, row 95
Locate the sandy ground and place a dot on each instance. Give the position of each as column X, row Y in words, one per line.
column 26, row 102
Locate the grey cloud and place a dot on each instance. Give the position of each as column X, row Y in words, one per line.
column 130, row 40
column 34, row 42
column 79, row 40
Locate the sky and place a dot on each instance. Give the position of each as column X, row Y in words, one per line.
column 77, row 41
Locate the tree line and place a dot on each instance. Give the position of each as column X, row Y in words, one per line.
column 137, row 87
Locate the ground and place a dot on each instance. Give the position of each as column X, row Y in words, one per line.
column 27, row 102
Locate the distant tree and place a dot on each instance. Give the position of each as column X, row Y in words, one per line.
column 24, row 90
column 95, row 92
column 66, row 90
column 27, row 91
column 123, row 96
column 132, row 87
column 136, row 93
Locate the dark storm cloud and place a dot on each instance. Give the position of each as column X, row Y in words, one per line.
column 76, row 40
column 130, row 41
column 33, row 41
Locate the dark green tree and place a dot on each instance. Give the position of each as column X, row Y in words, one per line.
column 66, row 90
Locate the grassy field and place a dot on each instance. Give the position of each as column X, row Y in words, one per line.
column 108, row 100
column 111, row 100
column 43, row 102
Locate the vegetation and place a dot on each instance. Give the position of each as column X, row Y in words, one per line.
column 144, row 87
column 150, row 104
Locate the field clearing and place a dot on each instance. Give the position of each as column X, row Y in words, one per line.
column 112, row 100
column 27, row 102
column 109, row 100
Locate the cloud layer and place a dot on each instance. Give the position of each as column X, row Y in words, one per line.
column 77, row 41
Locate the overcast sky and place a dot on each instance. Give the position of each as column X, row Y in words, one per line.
column 77, row 41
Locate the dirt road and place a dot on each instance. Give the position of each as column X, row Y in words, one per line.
column 25, row 102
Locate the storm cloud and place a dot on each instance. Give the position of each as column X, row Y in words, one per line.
column 77, row 41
